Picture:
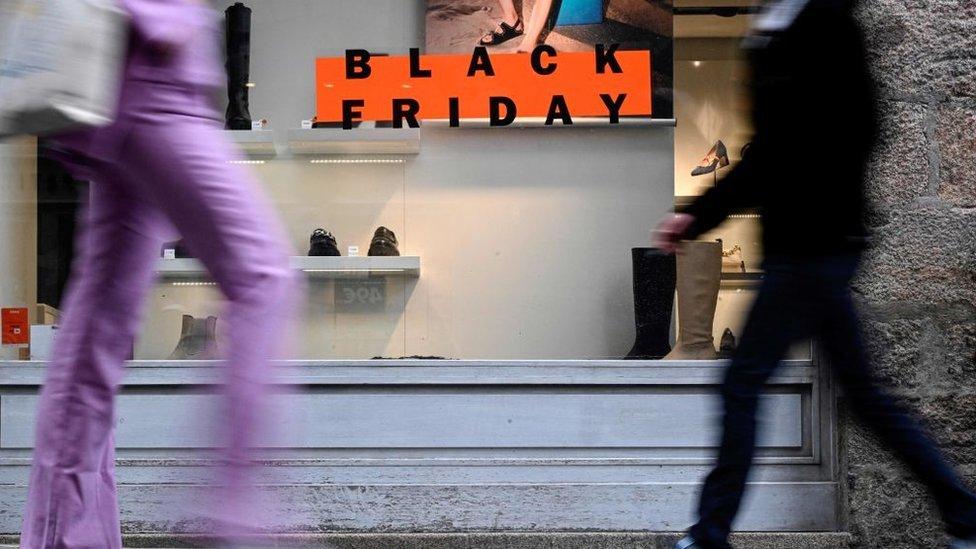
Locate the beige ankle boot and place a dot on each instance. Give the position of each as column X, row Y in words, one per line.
column 699, row 275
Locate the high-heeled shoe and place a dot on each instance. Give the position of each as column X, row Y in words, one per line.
column 717, row 157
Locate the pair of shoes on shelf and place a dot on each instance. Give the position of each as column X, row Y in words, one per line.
column 323, row 243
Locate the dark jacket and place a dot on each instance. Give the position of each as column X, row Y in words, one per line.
column 814, row 114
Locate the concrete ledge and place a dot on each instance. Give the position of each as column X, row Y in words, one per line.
column 486, row 540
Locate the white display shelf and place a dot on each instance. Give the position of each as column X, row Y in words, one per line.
column 354, row 141
column 254, row 143
column 749, row 279
column 316, row 267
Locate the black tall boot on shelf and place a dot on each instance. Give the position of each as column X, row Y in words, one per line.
column 238, row 34
column 655, row 275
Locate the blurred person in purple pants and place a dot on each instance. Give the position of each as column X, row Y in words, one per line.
column 162, row 165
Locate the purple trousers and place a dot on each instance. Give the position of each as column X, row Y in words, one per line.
column 171, row 172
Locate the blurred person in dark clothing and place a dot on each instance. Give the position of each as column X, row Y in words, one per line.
column 163, row 167
column 814, row 113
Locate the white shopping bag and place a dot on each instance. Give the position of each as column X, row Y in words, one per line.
column 60, row 64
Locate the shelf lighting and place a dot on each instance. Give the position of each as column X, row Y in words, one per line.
column 354, row 271
column 249, row 162
column 356, row 161
column 250, row 85
column 696, row 64
column 194, row 283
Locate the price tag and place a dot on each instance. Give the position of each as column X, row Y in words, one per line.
column 353, row 251
column 306, row 124
column 360, row 295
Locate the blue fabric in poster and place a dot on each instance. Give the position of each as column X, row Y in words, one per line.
column 580, row 12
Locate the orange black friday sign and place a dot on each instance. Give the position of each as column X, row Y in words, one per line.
column 604, row 82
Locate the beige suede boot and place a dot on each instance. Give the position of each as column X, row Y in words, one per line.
column 699, row 275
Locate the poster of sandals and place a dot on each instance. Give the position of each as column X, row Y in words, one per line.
column 513, row 26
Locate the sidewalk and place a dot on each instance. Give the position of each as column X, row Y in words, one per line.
column 511, row 540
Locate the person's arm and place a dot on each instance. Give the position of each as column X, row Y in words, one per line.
column 738, row 189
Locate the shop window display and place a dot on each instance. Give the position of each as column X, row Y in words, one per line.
column 712, row 135
column 485, row 243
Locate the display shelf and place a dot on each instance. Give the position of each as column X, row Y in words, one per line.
column 354, row 141
column 315, row 267
column 681, row 202
column 740, row 281
column 747, row 276
column 254, row 143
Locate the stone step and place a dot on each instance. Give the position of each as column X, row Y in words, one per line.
column 497, row 540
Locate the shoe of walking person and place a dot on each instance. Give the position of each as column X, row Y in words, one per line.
column 688, row 542
column 963, row 543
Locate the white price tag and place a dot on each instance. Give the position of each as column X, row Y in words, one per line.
column 306, row 124
column 169, row 254
column 353, row 251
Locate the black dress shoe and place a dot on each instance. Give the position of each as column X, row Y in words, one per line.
column 322, row 243
column 384, row 243
column 727, row 346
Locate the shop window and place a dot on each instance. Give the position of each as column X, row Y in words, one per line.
column 470, row 243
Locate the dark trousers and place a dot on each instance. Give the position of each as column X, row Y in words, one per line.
column 800, row 298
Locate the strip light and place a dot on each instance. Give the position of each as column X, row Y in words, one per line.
column 245, row 161
column 353, row 271
column 194, row 283
column 356, row 161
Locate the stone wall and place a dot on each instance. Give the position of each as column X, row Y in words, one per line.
column 918, row 287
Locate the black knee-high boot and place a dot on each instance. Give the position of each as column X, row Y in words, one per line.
column 655, row 275
column 238, row 34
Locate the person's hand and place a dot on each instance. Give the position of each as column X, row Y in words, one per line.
column 671, row 230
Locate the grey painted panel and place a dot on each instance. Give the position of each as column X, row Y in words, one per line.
column 407, row 472
column 434, row 372
column 429, row 418
column 529, row 507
